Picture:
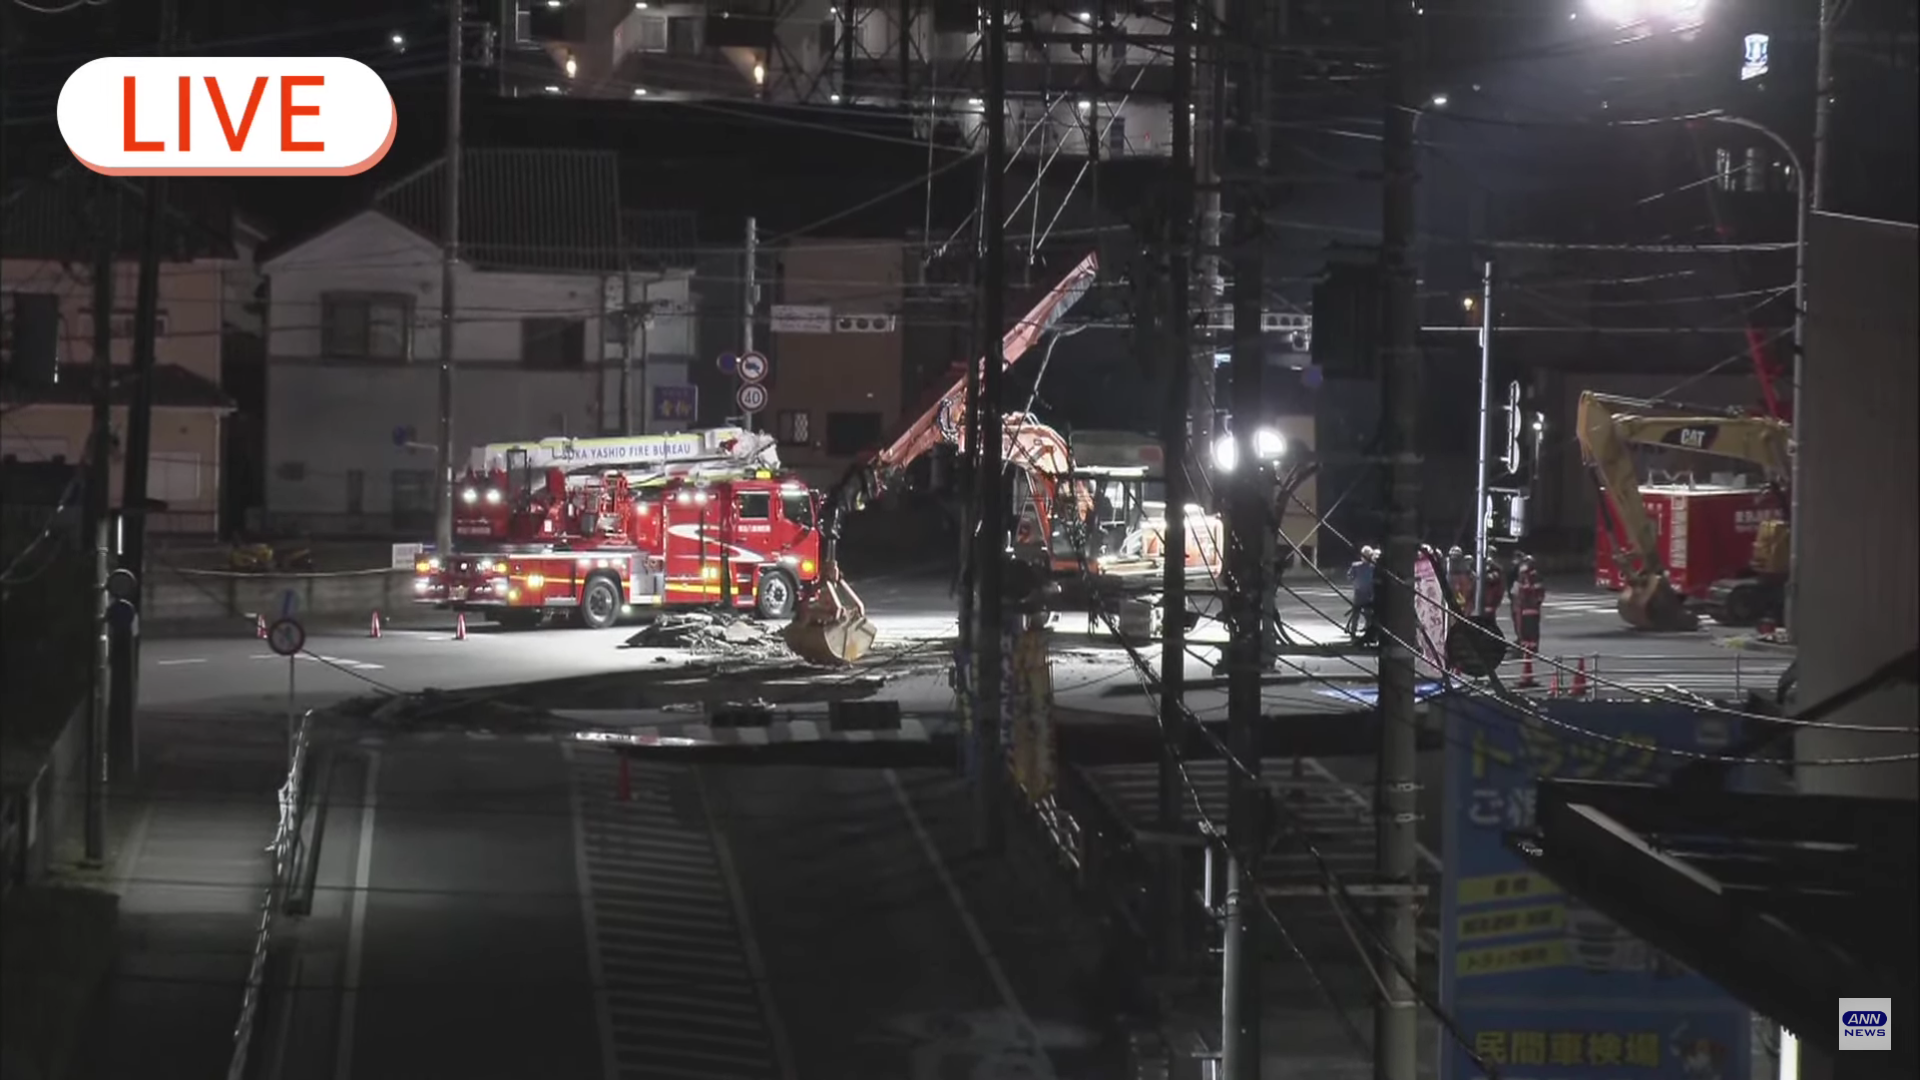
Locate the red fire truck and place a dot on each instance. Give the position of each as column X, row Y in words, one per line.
column 593, row 529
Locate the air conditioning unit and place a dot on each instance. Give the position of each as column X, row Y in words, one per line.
column 865, row 324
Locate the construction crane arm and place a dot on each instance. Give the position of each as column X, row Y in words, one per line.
column 945, row 421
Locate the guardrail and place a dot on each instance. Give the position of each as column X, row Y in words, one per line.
column 285, row 853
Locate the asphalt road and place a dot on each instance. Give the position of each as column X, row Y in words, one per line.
column 496, row 909
column 235, row 671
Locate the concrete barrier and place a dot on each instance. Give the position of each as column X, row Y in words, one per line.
column 181, row 596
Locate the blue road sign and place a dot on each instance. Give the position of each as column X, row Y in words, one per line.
column 676, row 404
column 1542, row 986
column 727, row 363
column 1370, row 695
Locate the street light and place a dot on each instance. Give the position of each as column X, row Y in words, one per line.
column 1226, row 453
column 1672, row 14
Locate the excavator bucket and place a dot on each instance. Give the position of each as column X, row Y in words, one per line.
column 831, row 629
column 1652, row 604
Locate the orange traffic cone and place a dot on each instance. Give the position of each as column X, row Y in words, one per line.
column 1580, row 678
column 460, row 627
column 260, row 626
column 374, row 630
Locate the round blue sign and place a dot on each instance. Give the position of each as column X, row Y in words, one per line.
column 728, row 362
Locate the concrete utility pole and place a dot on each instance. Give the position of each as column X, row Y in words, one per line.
column 1396, row 804
column 449, row 263
column 1249, row 520
column 626, row 346
column 990, row 547
column 1822, row 109
column 1486, row 434
column 97, row 528
column 1207, row 114
column 123, row 739
column 1178, row 361
column 751, row 287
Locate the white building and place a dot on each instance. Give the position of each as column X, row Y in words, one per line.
column 353, row 350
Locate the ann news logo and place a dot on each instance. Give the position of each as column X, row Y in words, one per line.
column 1866, row 1023
column 227, row 116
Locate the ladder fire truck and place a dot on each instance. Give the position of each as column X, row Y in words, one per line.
column 591, row 529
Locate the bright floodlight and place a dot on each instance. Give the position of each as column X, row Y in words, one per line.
column 1439, row 101
column 1226, row 453
column 1268, row 444
column 1632, row 12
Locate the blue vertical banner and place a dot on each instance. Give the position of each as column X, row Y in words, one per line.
column 1542, row 986
column 676, row 404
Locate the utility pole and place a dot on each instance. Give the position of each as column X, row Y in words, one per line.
column 1822, row 110
column 990, row 543
column 449, row 263
column 1211, row 91
column 123, row 739
column 1249, row 510
column 1396, row 803
column 751, row 288
column 99, row 477
column 1178, row 360
column 1481, row 466
column 626, row 346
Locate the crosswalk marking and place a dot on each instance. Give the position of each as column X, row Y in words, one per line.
column 681, row 997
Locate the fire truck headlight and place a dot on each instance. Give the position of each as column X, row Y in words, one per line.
column 1226, row 453
column 1268, row 444
column 493, row 496
column 499, row 568
column 513, row 596
column 806, row 566
column 469, row 496
column 536, row 581
column 422, row 567
column 433, row 564
column 420, row 585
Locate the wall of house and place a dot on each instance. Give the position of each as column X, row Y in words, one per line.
column 854, row 373
column 336, row 427
column 192, row 302
column 185, row 469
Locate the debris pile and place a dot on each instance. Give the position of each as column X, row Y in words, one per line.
column 707, row 634
column 433, row 709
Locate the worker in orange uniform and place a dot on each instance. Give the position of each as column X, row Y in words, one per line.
column 1529, row 596
column 1494, row 590
column 1460, row 577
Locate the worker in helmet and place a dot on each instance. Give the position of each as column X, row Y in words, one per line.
column 1460, row 577
column 1360, row 618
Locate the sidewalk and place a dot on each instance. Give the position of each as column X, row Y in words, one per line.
column 190, row 868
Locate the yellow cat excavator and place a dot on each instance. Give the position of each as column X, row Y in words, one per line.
column 1609, row 428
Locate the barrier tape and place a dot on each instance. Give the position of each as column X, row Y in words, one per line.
column 285, row 838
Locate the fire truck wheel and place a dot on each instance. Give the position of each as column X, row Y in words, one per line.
column 600, row 604
column 776, row 597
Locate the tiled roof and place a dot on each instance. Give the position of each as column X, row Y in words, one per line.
column 556, row 210
column 174, row 387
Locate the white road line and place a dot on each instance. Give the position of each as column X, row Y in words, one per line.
column 743, row 925
column 602, row 1015
column 356, row 923
column 974, row 933
column 172, row 663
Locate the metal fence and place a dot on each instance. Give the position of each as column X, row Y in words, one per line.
column 1730, row 676
column 285, row 853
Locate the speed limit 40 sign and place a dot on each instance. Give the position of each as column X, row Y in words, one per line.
column 752, row 398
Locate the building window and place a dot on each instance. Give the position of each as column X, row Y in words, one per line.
column 848, row 433
column 553, row 343
column 793, row 427
column 652, row 34
column 1117, row 135
column 683, row 35
column 175, row 477
column 364, row 326
column 754, row 506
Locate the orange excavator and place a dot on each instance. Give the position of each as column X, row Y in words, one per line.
column 1060, row 506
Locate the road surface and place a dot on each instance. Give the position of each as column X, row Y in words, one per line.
column 495, row 908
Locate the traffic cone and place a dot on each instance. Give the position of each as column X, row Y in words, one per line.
column 1580, row 678
column 1527, row 681
column 374, row 630
column 460, row 626
column 260, row 626
column 1554, row 690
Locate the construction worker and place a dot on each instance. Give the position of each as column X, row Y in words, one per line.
column 1460, row 577
column 1495, row 590
column 1360, row 619
column 1529, row 596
